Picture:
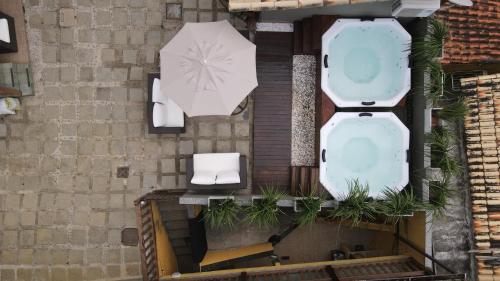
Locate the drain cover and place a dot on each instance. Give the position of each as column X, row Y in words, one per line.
column 130, row 236
column 122, row 172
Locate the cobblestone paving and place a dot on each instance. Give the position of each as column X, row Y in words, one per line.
column 62, row 208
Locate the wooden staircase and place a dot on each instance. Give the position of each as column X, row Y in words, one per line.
column 380, row 268
column 175, row 220
column 307, row 34
column 161, row 209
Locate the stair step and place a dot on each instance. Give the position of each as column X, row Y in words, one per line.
column 185, row 264
column 179, row 242
column 171, row 204
column 176, row 224
column 180, row 251
column 179, row 234
column 297, row 38
column 174, row 215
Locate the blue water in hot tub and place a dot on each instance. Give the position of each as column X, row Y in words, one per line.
column 367, row 63
column 370, row 150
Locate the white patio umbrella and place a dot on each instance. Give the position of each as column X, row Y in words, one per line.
column 208, row 68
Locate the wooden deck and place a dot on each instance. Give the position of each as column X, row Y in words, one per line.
column 273, row 110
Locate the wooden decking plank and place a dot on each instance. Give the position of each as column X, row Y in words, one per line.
column 272, row 109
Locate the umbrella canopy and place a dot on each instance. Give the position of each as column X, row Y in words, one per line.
column 208, row 68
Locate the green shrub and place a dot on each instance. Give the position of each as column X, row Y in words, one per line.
column 441, row 141
column 425, row 49
column 454, row 111
column 222, row 213
column 397, row 204
column 265, row 212
column 355, row 205
column 440, row 192
column 309, row 207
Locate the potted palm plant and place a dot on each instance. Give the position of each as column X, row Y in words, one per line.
column 441, row 141
column 428, row 48
column 397, row 204
column 356, row 205
column 264, row 210
column 454, row 111
column 439, row 193
column 308, row 207
column 222, row 211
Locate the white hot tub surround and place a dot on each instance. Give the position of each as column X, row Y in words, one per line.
column 365, row 62
column 371, row 147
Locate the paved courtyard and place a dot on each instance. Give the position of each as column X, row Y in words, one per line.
column 62, row 207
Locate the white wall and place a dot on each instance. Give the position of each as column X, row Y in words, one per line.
column 374, row 9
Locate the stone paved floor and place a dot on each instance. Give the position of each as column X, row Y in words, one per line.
column 61, row 205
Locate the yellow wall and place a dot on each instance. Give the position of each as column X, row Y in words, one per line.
column 413, row 229
column 167, row 261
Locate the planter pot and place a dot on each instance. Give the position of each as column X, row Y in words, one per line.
column 435, row 120
column 218, row 198
column 256, row 198
column 296, row 204
column 405, row 215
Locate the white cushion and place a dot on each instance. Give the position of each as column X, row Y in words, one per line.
column 175, row 115
column 203, row 178
column 4, row 30
column 227, row 177
column 159, row 115
column 216, row 162
column 156, row 96
column 166, row 113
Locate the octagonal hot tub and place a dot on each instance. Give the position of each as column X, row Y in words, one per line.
column 365, row 63
column 369, row 147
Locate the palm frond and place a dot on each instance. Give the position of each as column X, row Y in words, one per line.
column 355, row 205
column 222, row 213
column 310, row 206
column 397, row 204
column 440, row 193
column 425, row 49
column 441, row 141
column 454, row 111
column 264, row 212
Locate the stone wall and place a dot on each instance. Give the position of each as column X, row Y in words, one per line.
column 62, row 207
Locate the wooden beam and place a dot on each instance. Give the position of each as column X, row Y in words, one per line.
column 329, row 269
column 9, row 92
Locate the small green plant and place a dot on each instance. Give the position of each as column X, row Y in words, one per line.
column 309, row 207
column 397, row 204
column 222, row 213
column 454, row 111
column 440, row 192
column 356, row 205
column 441, row 141
column 441, row 138
column 425, row 49
column 264, row 212
column 435, row 90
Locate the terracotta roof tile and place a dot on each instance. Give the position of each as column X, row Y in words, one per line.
column 474, row 32
column 482, row 130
